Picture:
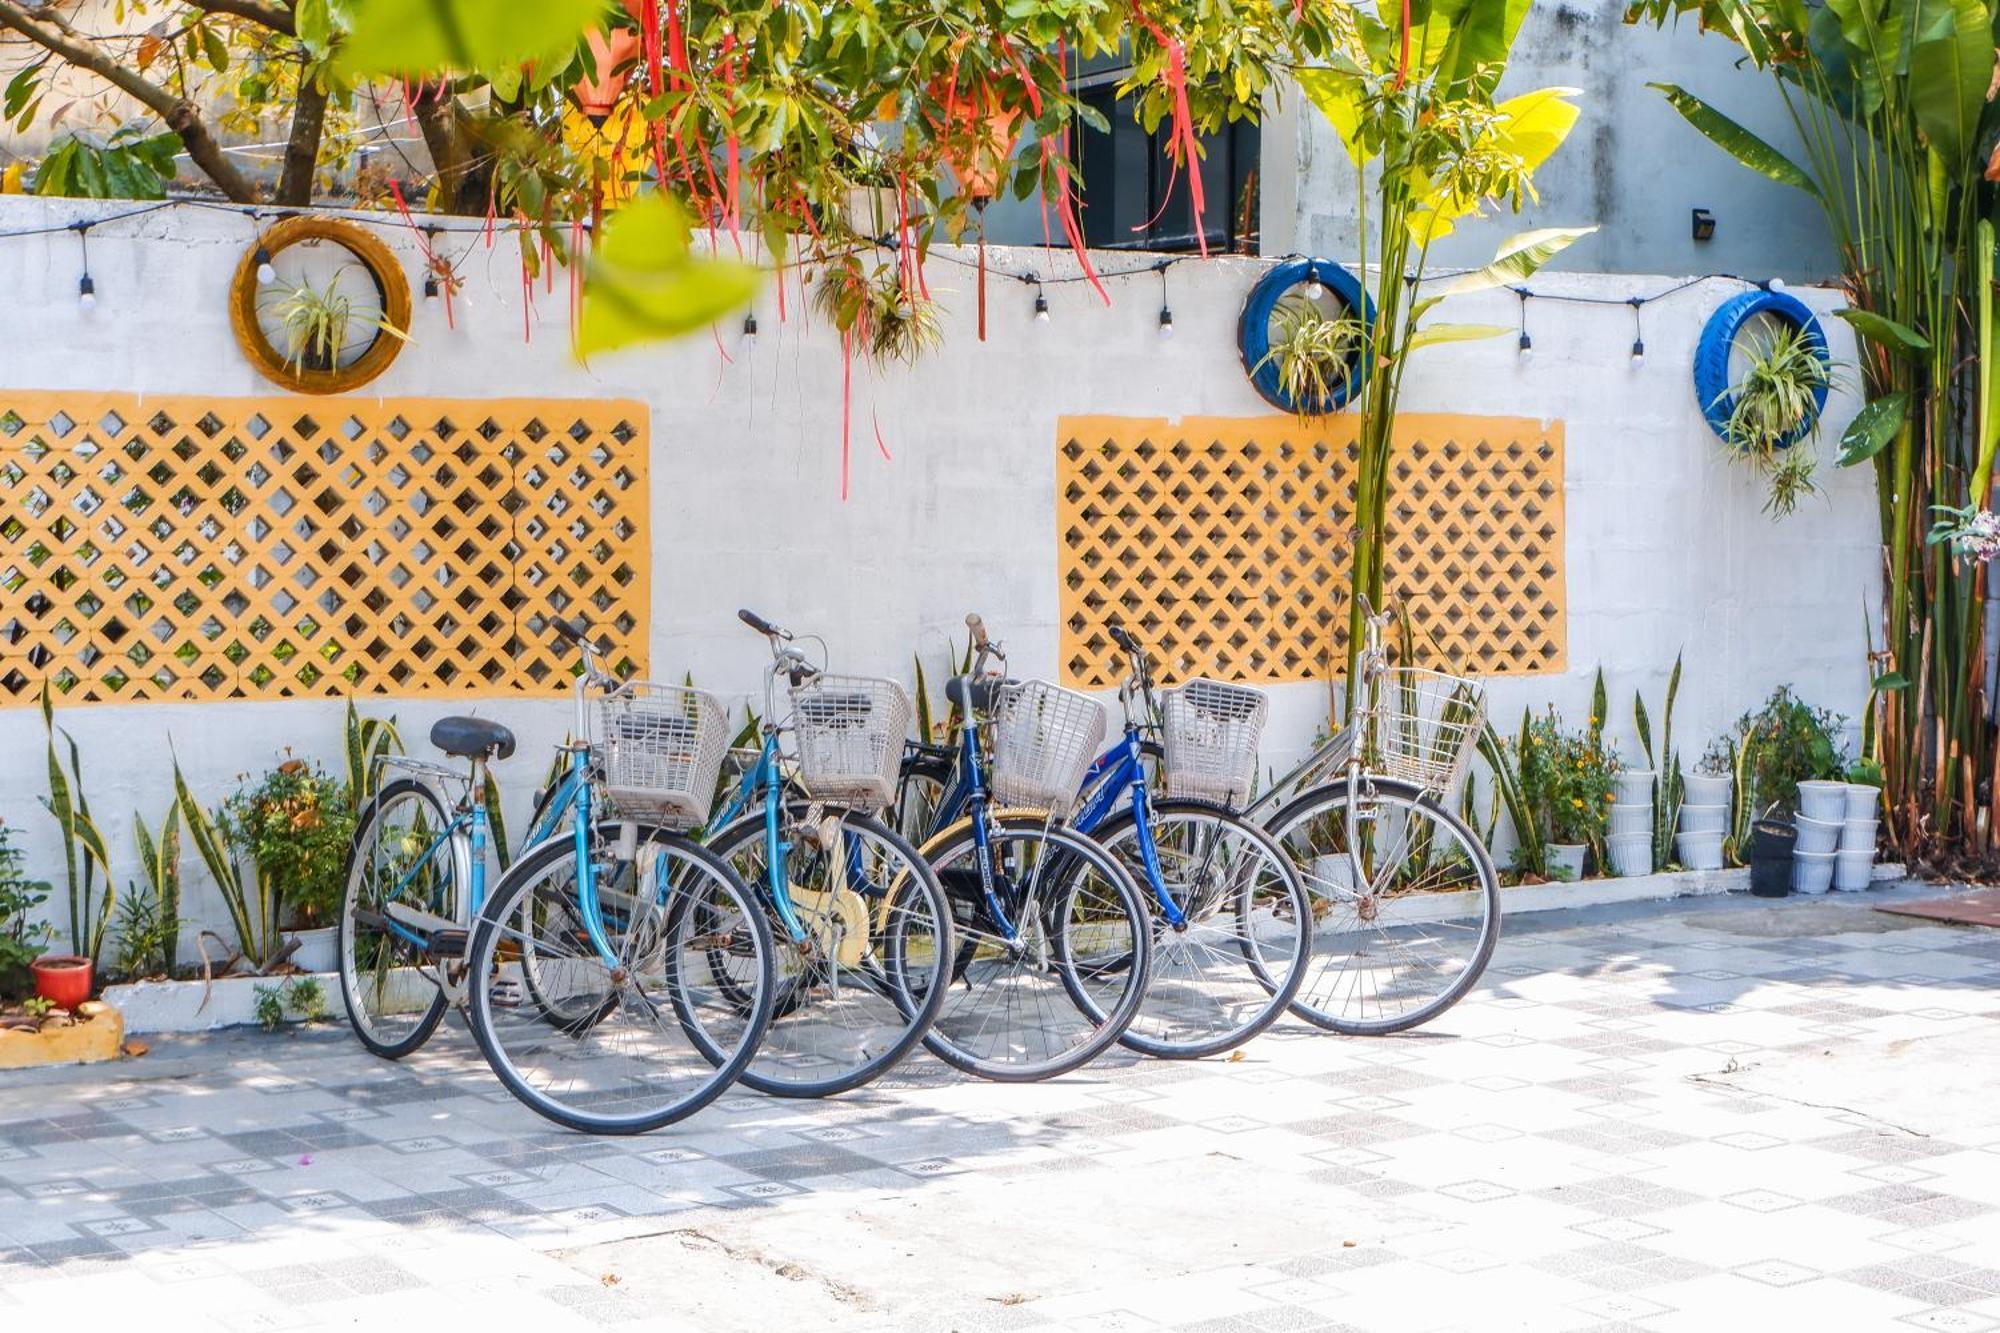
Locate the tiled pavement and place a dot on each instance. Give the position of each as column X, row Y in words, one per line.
column 1710, row 1116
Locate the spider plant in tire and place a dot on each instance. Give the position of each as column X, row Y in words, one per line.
column 316, row 321
column 1313, row 352
column 1784, row 378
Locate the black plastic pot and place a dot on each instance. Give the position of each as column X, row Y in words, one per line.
column 1771, row 844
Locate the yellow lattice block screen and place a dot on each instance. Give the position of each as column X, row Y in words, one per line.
column 1227, row 542
column 271, row 548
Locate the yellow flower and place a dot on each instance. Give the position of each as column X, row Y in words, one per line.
column 1576, row 801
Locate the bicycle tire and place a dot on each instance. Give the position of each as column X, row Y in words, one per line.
column 354, row 989
column 710, row 1080
column 1304, row 819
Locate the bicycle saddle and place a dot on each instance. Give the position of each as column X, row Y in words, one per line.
column 985, row 692
column 472, row 738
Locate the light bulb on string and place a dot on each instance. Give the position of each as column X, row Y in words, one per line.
column 431, row 291
column 266, row 274
column 1525, row 345
column 750, row 329
column 86, row 293
column 1166, row 310
column 1313, row 288
column 1638, row 332
column 1041, row 305
column 1166, row 322
column 1638, row 353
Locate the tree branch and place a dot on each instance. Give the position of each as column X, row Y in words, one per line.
column 295, row 186
column 275, row 16
column 437, row 120
column 181, row 115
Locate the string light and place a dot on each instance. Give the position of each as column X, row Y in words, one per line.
column 1638, row 334
column 266, row 274
column 1041, row 304
column 431, row 290
column 750, row 329
column 1313, row 289
column 86, row 289
column 1166, row 310
column 1526, row 345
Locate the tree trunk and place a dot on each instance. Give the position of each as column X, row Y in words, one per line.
column 295, row 187
column 438, row 120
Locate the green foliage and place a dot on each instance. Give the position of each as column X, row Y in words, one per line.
column 252, row 911
column 416, row 37
column 1569, row 779
column 21, row 935
column 160, row 862
column 1784, row 372
column 296, row 827
column 882, row 317
column 644, row 282
column 1507, row 762
column 301, row 998
column 131, row 164
column 1782, row 744
column 1669, row 784
column 141, row 934
column 316, row 320
column 86, row 860
column 367, row 741
column 1313, row 353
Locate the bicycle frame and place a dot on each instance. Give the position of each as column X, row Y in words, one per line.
column 765, row 780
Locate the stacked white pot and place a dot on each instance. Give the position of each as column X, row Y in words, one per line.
column 1854, row 859
column 1704, row 821
column 1628, row 838
column 1820, row 821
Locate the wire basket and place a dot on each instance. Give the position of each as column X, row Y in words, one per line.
column 1044, row 739
column 1210, row 730
column 1423, row 727
column 661, row 747
column 850, row 732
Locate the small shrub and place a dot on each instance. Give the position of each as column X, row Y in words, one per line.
column 1784, row 743
column 295, row 826
column 1570, row 778
column 21, row 936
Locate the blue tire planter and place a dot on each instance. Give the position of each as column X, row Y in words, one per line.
column 1253, row 331
column 1711, row 356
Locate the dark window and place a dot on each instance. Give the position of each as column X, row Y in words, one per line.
column 1127, row 177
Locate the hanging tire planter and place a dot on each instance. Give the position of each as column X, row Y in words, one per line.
column 365, row 278
column 1253, row 332
column 1712, row 386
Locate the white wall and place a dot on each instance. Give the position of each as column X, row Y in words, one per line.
column 1667, row 550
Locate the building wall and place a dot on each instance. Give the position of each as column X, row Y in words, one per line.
column 1667, row 549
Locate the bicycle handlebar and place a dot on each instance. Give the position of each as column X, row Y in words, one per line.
column 978, row 628
column 761, row 625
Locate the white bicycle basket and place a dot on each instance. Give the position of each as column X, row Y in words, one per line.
column 1044, row 739
column 850, row 732
column 1210, row 730
column 1423, row 727
column 661, row 747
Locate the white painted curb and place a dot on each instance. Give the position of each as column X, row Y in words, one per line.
column 177, row 1006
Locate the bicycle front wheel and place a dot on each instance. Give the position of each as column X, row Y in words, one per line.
column 1405, row 904
column 1240, row 952
column 605, row 1046
column 863, row 985
column 402, row 884
column 1049, row 984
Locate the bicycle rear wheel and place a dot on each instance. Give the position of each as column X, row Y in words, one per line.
column 1242, row 951
column 1053, row 994
column 1405, row 902
column 861, row 989
column 402, row 872
column 604, row 1048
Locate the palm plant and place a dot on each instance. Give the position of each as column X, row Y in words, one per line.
column 1889, row 99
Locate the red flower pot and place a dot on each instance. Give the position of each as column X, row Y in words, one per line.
column 63, row 979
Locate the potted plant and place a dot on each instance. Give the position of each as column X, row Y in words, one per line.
column 1570, row 778
column 1785, row 378
column 1313, row 353
column 1784, row 743
column 294, row 826
column 316, row 321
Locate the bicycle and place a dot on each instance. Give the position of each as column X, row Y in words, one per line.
column 1230, row 913
column 863, row 934
column 1406, row 899
column 1054, row 940
column 562, row 970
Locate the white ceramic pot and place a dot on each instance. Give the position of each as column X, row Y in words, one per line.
column 1852, row 871
column 1636, row 788
column 1824, row 801
column 1812, row 872
column 1631, row 853
column 1863, row 801
column 1704, row 818
column 319, row 950
column 1699, row 851
column 1631, row 818
column 1815, row 835
column 1858, row 835
column 1566, row 860
column 1705, row 789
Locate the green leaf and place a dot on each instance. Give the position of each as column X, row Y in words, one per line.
column 1892, row 680
column 1517, row 259
column 1432, row 334
column 1873, row 427
column 1887, row 332
column 313, row 21
column 414, row 37
column 1735, row 140
column 1951, row 65
column 644, row 284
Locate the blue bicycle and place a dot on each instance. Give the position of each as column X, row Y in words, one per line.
column 863, row 934
column 574, row 971
column 1231, row 920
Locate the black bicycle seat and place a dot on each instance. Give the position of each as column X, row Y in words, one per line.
column 472, row 738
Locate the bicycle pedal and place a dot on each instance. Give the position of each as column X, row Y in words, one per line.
column 449, row 942
column 505, row 994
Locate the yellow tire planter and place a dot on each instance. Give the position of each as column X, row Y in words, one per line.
column 375, row 258
column 98, row 1036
